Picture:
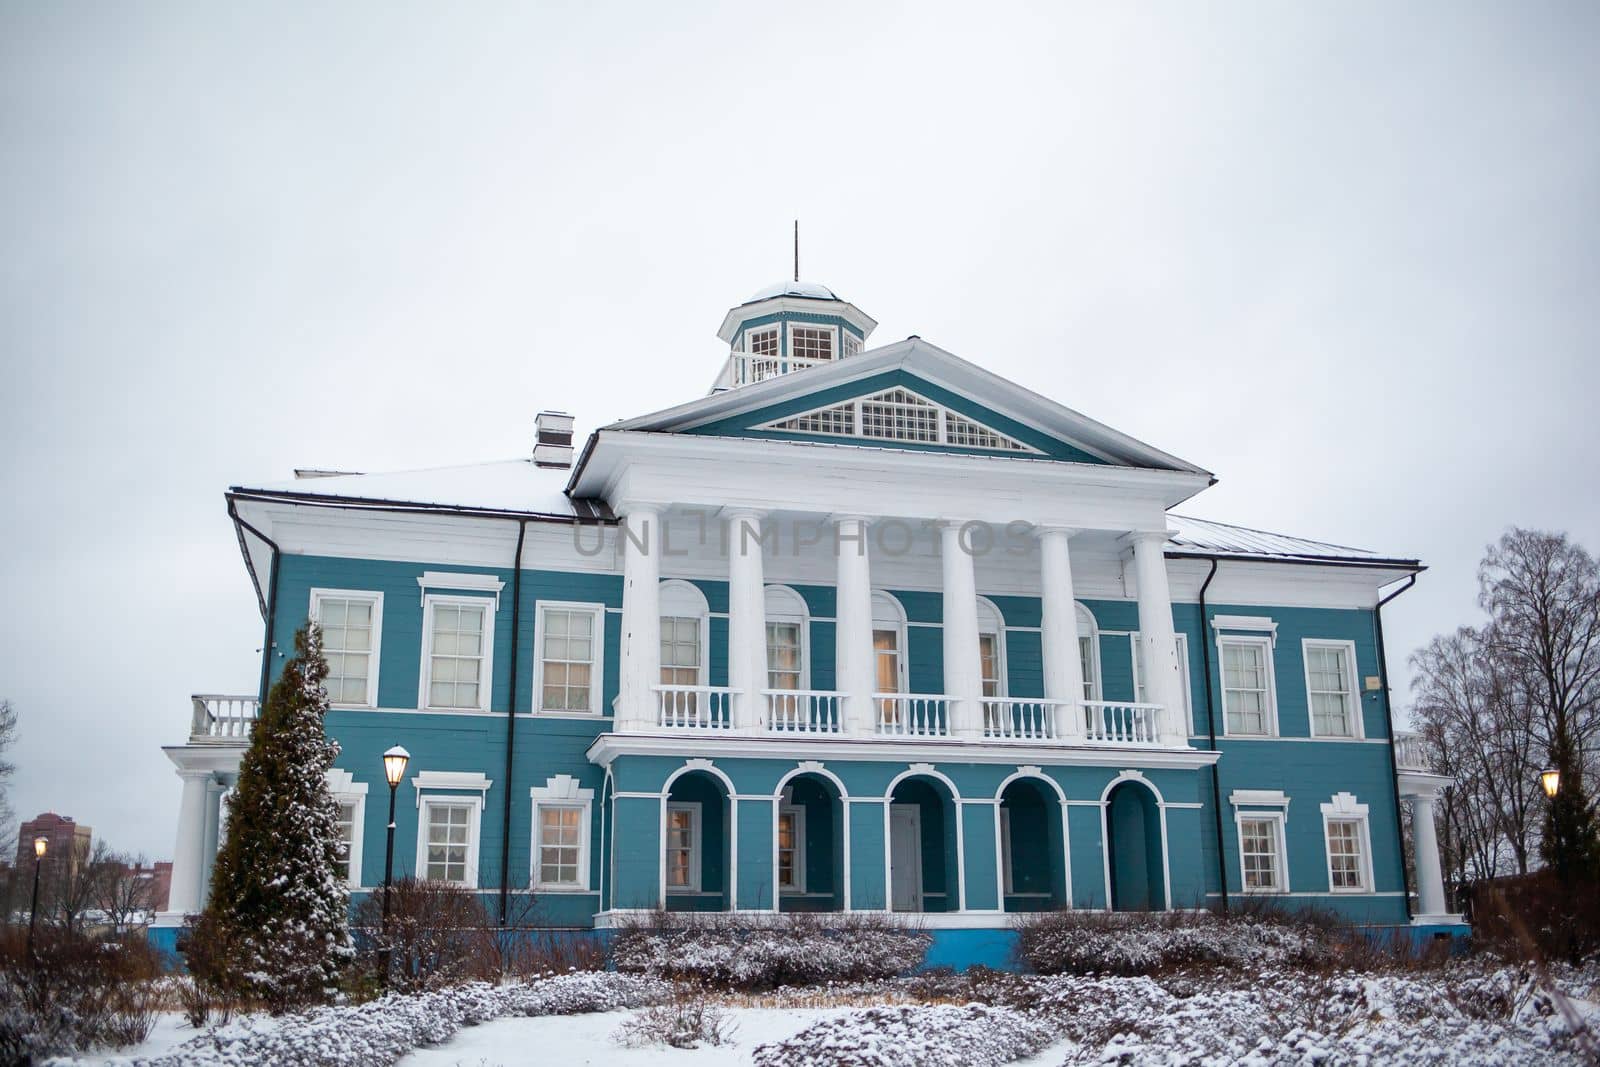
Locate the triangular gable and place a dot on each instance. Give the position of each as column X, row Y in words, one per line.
column 903, row 416
column 983, row 399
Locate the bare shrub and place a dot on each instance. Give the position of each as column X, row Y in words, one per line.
column 524, row 953
column 438, row 935
column 792, row 950
column 74, row 993
column 688, row 1020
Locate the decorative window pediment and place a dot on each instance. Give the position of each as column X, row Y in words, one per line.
column 898, row 414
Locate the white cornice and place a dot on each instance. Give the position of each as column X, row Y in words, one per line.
column 608, row 746
column 807, row 305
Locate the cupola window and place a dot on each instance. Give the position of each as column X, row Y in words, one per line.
column 813, row 344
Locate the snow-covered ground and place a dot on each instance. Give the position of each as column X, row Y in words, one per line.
column 575, row 1040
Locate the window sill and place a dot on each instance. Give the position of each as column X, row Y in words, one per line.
column 564, row 890
column 542, row 714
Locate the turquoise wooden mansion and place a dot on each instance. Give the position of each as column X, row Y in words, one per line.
column 863, row 629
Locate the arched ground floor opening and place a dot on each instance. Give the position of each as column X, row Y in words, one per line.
column 809, row 840
column 1134, row 849
column 697, row 844
column 1032, row 847
column 924, row 847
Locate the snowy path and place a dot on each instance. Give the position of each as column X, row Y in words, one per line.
column 576, row 1040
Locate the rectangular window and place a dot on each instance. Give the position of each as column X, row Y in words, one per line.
column 349, row 624
column 1246, row 686
column 1008, row 884
column 1347, row 868
column 683, row 847
column 791, row 849
column 1138, row 668
column 1261, row 855
column 345, row 831
column 850, row 345
column 680, row 650
column 560, row 845
column 1086, row 664
column 569, row 639
column 762, row 342
column 886, row 656
column 783, row 655
column 458, row 654
column 1330, row 689
column 811, row 342
column 449, row 829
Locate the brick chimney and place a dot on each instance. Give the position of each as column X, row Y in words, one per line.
column 552, row 444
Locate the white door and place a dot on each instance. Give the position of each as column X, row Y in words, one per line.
column 905, row 857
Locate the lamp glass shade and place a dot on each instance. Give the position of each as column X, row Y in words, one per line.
column 1551, row 780
column 394, row 764
column 41, row 845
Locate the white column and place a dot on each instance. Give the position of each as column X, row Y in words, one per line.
column 747, row 619
column 963, row 668
column 188, row 853
column 1158, row 642
column 1063, row 667
column 1430, row 878
column 855, row 671
column 641, row 618
column 214, row 791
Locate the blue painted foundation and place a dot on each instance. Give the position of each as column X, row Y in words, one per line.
column 961, row 949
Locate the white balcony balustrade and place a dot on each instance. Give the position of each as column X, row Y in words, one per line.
column 912, row 714
column 694, row 707
column 1112, row 722
column 222, row 719
column 747, row 368
column 1031, row 719
column 802, row 711
column 1410, row 754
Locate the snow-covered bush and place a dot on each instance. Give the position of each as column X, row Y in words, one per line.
column 791, row 950
column 1075, row 942
column 688, row 1020
column 381, row 1031
column 74, row 993
column 941, row 1035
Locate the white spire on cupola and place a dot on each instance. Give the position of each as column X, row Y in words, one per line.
column 787, row 327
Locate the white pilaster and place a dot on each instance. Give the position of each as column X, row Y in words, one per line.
column 1430, row 878
column 188, row 853
column 963, row 668
column 1158, row 641
column 212, row 838
column 853, row 655
column 747, row 619
column 641, row 617
column 1063, row 669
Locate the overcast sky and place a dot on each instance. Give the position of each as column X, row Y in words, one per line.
column 1345, row 255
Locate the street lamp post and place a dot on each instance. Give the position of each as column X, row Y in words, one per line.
column 1551, row 780
column 394, row 769
column 40, row 846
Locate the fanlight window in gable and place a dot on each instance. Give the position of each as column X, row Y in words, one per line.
column 899, row 415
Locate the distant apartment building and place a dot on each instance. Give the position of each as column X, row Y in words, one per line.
column 66, row 838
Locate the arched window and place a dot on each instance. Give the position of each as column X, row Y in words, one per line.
column 992, row 648
column 889, row 644
column 684, row 633
column 788, row 639
column 1089, row 653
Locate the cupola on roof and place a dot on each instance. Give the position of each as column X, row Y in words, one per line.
column 810, row 290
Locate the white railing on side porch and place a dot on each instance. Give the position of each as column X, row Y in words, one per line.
column 694, row 707
column 1409, row 753
column 1115, row 722
column 1023, row 719
column 802, row 711
column 912, row 714
column 222, row 718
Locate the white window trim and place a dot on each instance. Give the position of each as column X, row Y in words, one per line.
column 346, row 790
column 997, row 627
column 1344, row 808
column 486, row 673
column 802, row 619
column 1352, row 680
column 562, row 791
column 902, row 668
column 1280, row 847
column 693, row 808
column 597, row 672
column 700, row 609
column 1183, row 669
column 792, row 325
column 799, row 814
column 861, row 344
column 474, row 828
column 751, row 331
column 1265, row 644
column 456, row 580
column 1082, row 614
column 376, row 598
column 1248, row 623
column 1006, row 885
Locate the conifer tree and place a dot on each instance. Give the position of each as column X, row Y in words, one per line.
column 276, row 927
